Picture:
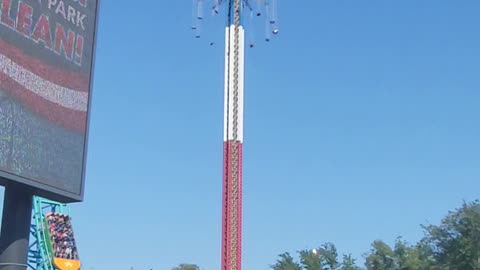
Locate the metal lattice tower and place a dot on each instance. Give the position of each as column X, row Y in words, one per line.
column 237, row 12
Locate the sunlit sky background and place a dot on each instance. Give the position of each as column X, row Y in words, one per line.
column 361, row 123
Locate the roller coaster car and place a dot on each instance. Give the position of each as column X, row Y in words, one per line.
column 60, row 259
column 64, row 264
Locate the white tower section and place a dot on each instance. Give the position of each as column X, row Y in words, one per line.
column 229, row 78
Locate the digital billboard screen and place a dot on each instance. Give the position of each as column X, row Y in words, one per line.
column 46, row 60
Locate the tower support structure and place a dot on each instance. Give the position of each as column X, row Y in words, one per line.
column 233, row 140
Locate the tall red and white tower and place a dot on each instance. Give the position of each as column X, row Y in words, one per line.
column 233, row 143
column 233, row 112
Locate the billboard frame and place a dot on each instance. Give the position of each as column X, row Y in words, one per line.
column 37, row 188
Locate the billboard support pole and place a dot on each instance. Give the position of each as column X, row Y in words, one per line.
column 14, row 237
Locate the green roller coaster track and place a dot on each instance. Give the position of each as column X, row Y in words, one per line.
column 40, row 254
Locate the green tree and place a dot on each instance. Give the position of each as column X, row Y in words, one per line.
column 310, row 260
column 329, row 256
column 322, row 258
column 381, row 257
column 348, row 263
column 411, row 257
column 186, row 266
column 286, row 262
column 452, row 245
column 402, row 257
column 455, row 243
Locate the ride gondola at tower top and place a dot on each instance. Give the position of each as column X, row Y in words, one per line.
column 253, row 16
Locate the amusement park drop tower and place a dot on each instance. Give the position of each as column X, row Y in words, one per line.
column 233, row 115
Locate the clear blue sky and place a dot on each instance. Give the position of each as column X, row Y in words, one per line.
column 361, row 123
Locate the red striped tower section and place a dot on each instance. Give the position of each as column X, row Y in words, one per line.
column 233, row 148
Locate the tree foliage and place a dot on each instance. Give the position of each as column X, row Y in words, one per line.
column 381, row 257
column 455, row 243
column 286, row 262
column 349, row 263
column 323, row 258
column 186, row 266
column 452, row 245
